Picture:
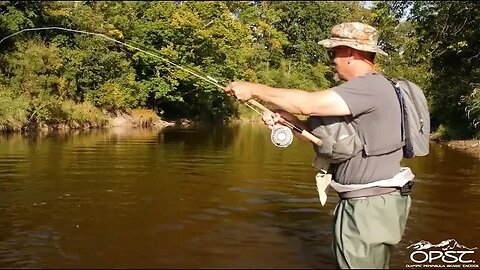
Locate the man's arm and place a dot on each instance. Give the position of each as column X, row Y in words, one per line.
column 321, row 103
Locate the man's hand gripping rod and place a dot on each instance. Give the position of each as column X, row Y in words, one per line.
column 296, row 128
column 257, row 104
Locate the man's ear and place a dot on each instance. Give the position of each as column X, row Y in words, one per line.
column 350, row 55
column 349, row 52
column 356, row 54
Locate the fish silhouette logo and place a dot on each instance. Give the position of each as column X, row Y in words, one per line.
column 445, row 253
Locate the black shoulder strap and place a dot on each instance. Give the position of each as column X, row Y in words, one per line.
column 405, row 128
column 398, row 91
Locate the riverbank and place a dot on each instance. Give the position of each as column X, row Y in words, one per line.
column 470, row 147
column 88, row 120
column 138, row 118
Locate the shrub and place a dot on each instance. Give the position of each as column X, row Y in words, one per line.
column 13, row 112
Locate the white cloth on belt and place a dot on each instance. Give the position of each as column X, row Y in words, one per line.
column 324, row 180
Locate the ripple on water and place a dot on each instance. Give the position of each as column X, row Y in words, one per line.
column 196, row 200
column 255, row 191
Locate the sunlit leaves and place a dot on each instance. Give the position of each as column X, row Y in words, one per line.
column 434, row 44
column 449, row 32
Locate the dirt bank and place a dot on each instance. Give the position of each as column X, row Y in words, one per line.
column 137, row 120
column 471, row 147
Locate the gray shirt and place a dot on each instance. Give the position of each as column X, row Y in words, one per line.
column 376, row 112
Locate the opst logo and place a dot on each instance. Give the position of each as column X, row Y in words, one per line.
column 448, row 253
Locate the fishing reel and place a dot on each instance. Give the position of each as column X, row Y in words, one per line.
column 281, row 136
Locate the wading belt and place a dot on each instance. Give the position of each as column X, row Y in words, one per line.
column 366, row 192
column 375, row 191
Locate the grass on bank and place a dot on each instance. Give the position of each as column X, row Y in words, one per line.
column 20, row 114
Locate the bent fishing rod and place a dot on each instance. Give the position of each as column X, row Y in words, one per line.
column 280, row 137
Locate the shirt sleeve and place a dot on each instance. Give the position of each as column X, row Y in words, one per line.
column 358, row 94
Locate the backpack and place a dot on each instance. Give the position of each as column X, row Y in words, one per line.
column 415, row 118
column 341, row 140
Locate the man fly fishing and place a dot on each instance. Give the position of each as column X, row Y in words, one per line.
column 372, row 213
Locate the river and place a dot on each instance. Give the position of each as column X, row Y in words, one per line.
column 201, row 197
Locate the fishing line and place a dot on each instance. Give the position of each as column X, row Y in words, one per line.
column 206, row 78
column 116, row 41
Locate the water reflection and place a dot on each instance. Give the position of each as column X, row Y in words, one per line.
column 203, row 197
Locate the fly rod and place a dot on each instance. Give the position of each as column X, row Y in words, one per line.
column 207, row 78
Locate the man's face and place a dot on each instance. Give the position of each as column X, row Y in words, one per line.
column 339, row 56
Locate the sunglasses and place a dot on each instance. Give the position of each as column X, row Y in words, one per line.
column 331, row 54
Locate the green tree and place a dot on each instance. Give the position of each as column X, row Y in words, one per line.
column 449, row 32
column 57, row 77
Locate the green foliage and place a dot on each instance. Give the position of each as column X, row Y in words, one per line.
column 398, row 38
column 306, row 23
column 82, row 114
column 55, row 77
column 32, row 69
column 449, row 32
column 16, row 15
column 13, row 112
column 295, row 75
column 472, row 108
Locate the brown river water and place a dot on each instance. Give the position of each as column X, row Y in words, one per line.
column 204, row 197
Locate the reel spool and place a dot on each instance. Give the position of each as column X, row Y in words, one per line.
column 281, row 136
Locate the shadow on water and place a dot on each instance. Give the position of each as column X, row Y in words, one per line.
column 197, row 137
column 200, row 197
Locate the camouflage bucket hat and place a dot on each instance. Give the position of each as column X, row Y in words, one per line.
column 356, row 35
